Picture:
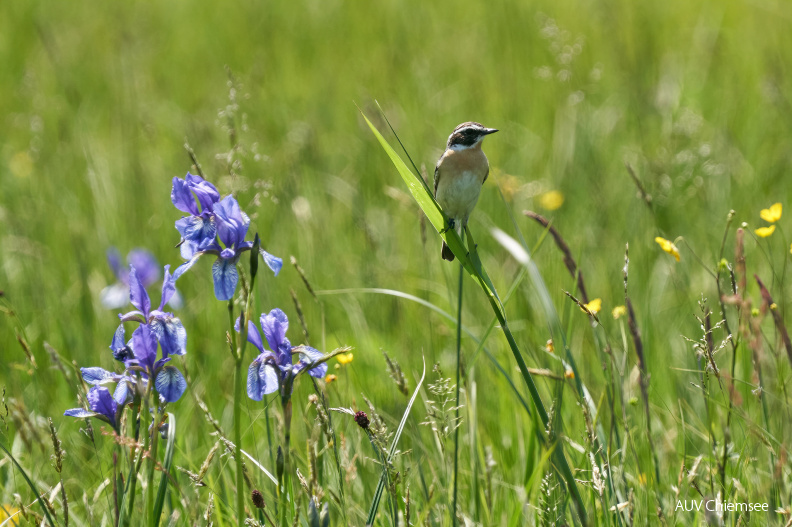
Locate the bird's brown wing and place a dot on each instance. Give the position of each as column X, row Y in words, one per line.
column 486, row 175
column 437, row 174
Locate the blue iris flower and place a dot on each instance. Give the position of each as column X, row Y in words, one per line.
column 215, row 226
column 156, row 327
column 275, row 369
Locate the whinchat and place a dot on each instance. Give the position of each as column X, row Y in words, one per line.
column 461, row 171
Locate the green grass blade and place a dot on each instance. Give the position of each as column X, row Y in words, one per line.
column 163, row 486
column 30, row 484
column 260, row 467
column 381, row 486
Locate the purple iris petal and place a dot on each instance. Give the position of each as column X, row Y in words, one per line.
column 274, row 325
column 232, row 225
column 122, row 392
column 114, row 260
column 168, row 288
column 253, row 334
column 309, row 355
column 273, row 262
column 101, row 402
column 170, row 333
column 198, row 233
column 97, row 375
column 170, row 384
column 144, row 346
column 182, row 198
column 137, row 293
column 183, row 268
column 262, row 378
column 225, row 277
column 81, row 413
column 206, row 193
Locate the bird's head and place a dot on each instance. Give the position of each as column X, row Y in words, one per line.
column 468, row 135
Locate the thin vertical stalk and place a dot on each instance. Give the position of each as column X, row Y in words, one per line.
column 152, row 464
column 129, row 494
column 458, row 368
column 240, row 497
column 238, row 347
column 240, row 494
column 286, row 481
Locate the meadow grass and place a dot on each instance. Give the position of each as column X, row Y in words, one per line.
column 620, row 122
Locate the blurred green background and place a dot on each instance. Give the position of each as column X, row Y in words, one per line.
column 98, row 98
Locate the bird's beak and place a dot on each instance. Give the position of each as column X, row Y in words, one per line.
column 488, row 131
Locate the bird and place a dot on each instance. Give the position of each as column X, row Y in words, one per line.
column 459, row 174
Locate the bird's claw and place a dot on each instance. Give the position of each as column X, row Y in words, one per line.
column 451, row 224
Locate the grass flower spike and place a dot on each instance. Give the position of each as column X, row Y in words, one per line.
column 668, row 246
column 772, row 214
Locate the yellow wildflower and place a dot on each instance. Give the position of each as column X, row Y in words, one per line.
column 345, row 358
column 668, row 246
column 790, row 249
column 594, row 306
column 551, row 200
column 330, row 378
column 642, row 478
column 764, row 232
column 619, row 311
column 569, row 374
column 771, row 215
column 549, row 346
column 773, row 306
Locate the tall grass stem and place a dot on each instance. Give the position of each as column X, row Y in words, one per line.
column 458, row 368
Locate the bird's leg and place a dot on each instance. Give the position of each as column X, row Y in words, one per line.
column 451, row 225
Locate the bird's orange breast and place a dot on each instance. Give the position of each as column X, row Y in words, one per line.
column 457, row 162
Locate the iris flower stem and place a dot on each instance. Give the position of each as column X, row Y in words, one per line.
column 146, row 417
column 240, row 497
column 284, row 497
column 239, row 345
column 152, row 464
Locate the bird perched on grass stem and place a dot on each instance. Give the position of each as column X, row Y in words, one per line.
column 461, row 171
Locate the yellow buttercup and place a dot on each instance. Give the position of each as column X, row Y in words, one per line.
column 773, row 214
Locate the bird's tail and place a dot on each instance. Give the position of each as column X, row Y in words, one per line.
column 446, row 253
